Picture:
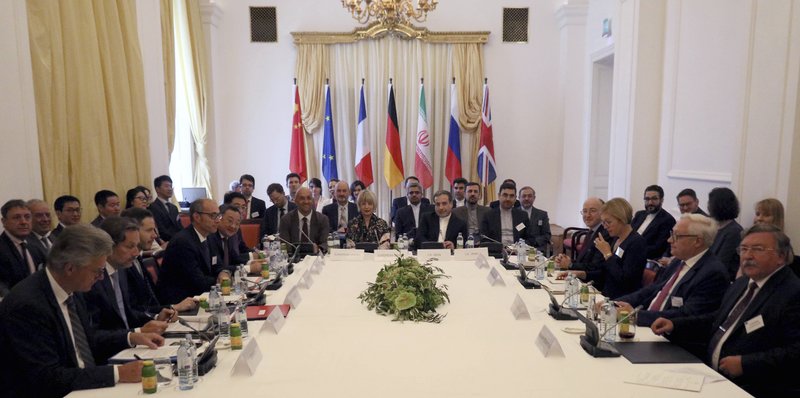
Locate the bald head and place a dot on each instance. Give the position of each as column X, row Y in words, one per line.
column 303, row 200
column 591, row 212
column 342, row 192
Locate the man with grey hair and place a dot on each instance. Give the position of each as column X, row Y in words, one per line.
column 439, row 226
column 692, row 284
column 42, row 225
column 109, row 301
column 49, row 346
column 753, row 337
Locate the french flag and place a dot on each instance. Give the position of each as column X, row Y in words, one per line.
column 363, row 157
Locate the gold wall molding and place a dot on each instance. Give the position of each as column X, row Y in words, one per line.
column 376, row 30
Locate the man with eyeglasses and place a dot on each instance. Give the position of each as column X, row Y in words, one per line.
column 226, row 244
column 588, row 258
column 754, row 336
column 692, row 284
column 654, row 223
column 189, row 269
column 688, row 202
column 68, row 212
column 18, row 259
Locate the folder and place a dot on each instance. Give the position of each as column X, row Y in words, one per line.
column 261, row 312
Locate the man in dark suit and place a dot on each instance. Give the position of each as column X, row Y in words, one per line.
column 459, row 192
column 293, row 184
column 472, row 213
column 654, row 223
column 42, row 225
column 688, row 202
column 164, row 212
column 496, row 204
column 304, row 224
column 507, row 224
column 108, row 205
column 588, row 257
column 407, row 218
column 141, row 287
column 341, row 211
column 399, row 203
column 188, row 268
column 754, row 336
column 68, row 212
column 18, row 259
column 226, row 244
column 49, row 345
column 109, row 301
column 693, row 284
column 256, row 208
column 280, row 207
column 538, row 221
column 440, row 225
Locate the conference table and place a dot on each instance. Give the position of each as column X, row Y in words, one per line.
column 332, row 346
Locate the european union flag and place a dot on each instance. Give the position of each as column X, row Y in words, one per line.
column 329, row 170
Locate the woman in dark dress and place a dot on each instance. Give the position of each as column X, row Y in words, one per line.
column 366, row 226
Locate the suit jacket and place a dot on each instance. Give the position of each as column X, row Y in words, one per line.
column 257, row 208
column 57, row 230
column 399, row 203
column 496, row 204
column 141, row 291
column 102, row 305
column 491, row 225
column 539, row 224
column 428, row 230
column 463, row 213
column 167, row 221
column 238, row 252
column 589, row 258
column 13, row 268
column 97, row 221
column 269, row 226
column 34, row 241
column 332, row 212
column 725, row 244
column 38, row 354
column 770, row 353
column 317, row 229
column 620, row 275
column 404, row 219
column 700, row 290
column 187, row 269
column 657, row 232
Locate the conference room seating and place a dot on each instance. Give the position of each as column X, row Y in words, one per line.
column 574, row 238
column 251, row 232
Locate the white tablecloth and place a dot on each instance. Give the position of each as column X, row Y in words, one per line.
column 332, row 346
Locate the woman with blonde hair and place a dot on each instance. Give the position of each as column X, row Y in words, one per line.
column 366, row 226
column 770, row 211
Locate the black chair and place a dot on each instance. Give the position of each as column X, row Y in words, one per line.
column 576, row 237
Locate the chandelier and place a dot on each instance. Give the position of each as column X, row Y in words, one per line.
column 389, row 12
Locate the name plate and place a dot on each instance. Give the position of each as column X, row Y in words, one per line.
column 423, row 255
column 470, row 254
column 548, row 344
column 346, row 255
column 306, row 280
column 481, row 261
column 519, row 309
column 387, row 254
column 494, row 278
column 316, row 268
column 274, row 321
column 293, row 298
column 248, row 359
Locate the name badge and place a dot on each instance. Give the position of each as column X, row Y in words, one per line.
column 214, row 260
column 520, row 226
column 620, row 252
column 677, row 301
column 254, row 214
column 275, row 320
column 540, row 223
column 754, row 324
column 424, row 255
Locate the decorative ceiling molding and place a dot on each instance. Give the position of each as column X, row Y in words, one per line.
column 376, row 30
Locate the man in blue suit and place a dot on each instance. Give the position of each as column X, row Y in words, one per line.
column 692, row 284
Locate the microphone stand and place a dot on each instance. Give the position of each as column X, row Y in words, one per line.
column 593, row 346
column 504, row 262
column 558, row 312
column 208, row 360
column 289, row 266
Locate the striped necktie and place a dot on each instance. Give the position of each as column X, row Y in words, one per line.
column 81, row 343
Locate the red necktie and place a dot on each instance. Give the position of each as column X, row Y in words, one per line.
column 662, row 295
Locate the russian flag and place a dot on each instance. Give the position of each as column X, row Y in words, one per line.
column 452, row 168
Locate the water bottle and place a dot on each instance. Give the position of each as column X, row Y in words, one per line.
column 224, row 320
column 540, row 270
column 568, row 290
column 195, row 368
column 241, row 318
column 522, row 252
column 470, row 242
column 610, row 321
column 185, row 365
column 214, row 299
column 575, row 286
column 460, row 241
column 590, row 312
column 401, row 243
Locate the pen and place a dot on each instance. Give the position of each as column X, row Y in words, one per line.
column 138, row 358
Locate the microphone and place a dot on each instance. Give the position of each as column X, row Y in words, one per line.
column 208, row 360
column 189, row 325
column 592, row 343
column 304, row 235
column 575, row 293
column 271, row 238
column 558, row 312
column 504, row 262
column 623, row 319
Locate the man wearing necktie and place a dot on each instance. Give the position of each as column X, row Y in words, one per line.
column 692, row 284
column 18, row 259
column 280, row 207
column 109, row 301
column 754, row 336
column 341, row 211
column 49, row 346
column 42, row 225
column 304, row 224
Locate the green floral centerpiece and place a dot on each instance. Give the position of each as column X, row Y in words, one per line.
column 408, row 290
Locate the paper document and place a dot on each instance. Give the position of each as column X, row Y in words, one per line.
column 671, row 380
column 168, row 350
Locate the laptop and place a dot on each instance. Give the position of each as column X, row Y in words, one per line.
column 190, row 194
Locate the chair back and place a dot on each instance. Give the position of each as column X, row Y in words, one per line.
column 250, row 234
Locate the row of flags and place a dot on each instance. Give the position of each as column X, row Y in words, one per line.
column 393, row 170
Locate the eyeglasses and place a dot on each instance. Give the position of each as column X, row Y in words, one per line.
column 214, row 216
column 755, row 250
column 141, row 197
column 676, row 236
column 586, row 212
